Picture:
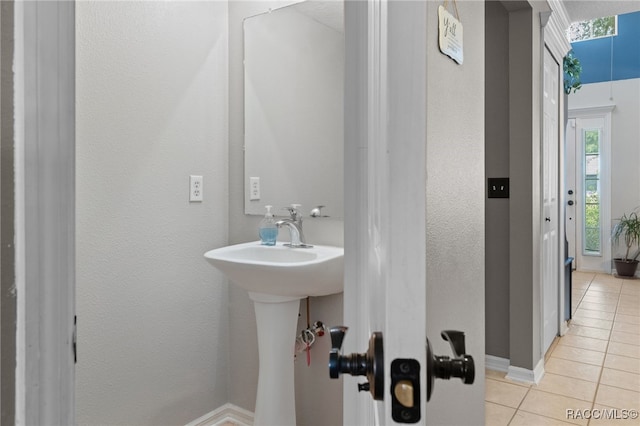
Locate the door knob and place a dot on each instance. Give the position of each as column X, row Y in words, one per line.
column 369, row 364
column 570, row 202
column 443, row 367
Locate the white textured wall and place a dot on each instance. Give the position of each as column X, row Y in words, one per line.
column 625, row 137
column 152, row 92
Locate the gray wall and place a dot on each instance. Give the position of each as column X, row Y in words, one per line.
column 524, row 228
column 7, row 229
column 497, row 165
column 514, row 51
column 151, row 110
column 455, row 209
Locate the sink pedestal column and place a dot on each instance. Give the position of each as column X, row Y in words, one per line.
column 277, row 322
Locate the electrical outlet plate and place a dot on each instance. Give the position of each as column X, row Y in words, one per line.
column 195, row 188
column 254, row 188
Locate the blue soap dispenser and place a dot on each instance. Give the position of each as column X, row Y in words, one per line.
column 268, row 230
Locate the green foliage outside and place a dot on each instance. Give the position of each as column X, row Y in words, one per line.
column 592, row 142
column 599, row 27
column 592, row 192
column 592, row 223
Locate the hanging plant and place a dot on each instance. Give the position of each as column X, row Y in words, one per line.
column 572, row 70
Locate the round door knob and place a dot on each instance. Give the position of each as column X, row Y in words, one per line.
column 570, row 202
column 571, row 192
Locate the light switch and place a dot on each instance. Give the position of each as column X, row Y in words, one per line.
column 498, row 188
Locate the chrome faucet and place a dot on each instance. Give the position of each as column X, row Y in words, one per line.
column 294, row 224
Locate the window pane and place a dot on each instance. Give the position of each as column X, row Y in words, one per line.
column 592, row 240
column 592, row 166
column 595, row 28
column 592, row 216
column 590, row 188
column 591, row 180
column 592, row 141
column 602, row 27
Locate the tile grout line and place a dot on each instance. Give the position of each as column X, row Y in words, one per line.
column 591, row 403
column 531, row 386
column 595, row 395
column 520, row 404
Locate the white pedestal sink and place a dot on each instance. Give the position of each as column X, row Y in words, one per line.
column 277, row 277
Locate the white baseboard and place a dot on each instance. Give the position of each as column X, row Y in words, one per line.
column 228, row 413
column 524, row 375
column 514, row 373
column 496, row 363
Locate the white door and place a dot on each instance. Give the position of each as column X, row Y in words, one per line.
column 590, row 139
column 550, row 239
column 384, row 263
column 386, row 210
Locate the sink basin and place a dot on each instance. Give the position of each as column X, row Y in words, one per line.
column 281, row 271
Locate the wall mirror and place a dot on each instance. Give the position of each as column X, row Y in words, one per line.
column 293, row 108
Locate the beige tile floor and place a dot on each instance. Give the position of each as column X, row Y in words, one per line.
column 595, row 366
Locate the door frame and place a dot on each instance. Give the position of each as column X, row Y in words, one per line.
column 603, row 112
column 385, row 191
column 554, row 23
column 44, row 64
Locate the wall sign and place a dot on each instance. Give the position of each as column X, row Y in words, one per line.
column 450, row 33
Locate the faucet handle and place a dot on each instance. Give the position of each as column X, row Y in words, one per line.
column 293, row 210
column 317, row 212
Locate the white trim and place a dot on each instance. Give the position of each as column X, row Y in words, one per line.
column 555, row 30
column 517, row 374
column 591, row 111
column 524, row 375
column 402, row 196
column 496, row 363
column 45, row 211
column 555, row 24
column 360, row 77
column 228, row 413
